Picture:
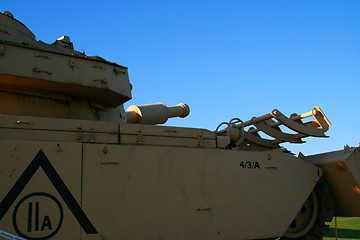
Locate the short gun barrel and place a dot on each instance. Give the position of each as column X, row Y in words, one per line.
column 156, row 113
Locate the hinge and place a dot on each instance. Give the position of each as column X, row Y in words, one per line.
column 79, row 134
column 201, row 141
column 139, row 139
column 2, row 50
column 92, row 135
column 72, row 63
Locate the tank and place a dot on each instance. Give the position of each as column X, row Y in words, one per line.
column 76, row 165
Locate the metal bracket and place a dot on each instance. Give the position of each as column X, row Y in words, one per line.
column 99, row 67
column 6, row 32
column 23, row 122
column 117, row 71
column 202, row 208
column 315, row 132
column 275, row 132
column 101, row 81
column 270, row 124
column 41, row 56
column 41, row 71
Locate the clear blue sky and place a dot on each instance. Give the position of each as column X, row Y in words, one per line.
column 224, row 58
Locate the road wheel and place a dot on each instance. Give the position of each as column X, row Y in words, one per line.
column 309, row 223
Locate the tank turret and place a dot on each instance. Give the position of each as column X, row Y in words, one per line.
column 54, row 80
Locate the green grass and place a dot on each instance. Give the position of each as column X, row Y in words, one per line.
column 347, row 228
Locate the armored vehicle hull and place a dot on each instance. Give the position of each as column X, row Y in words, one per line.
column 132, row 190
column 75, row 165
